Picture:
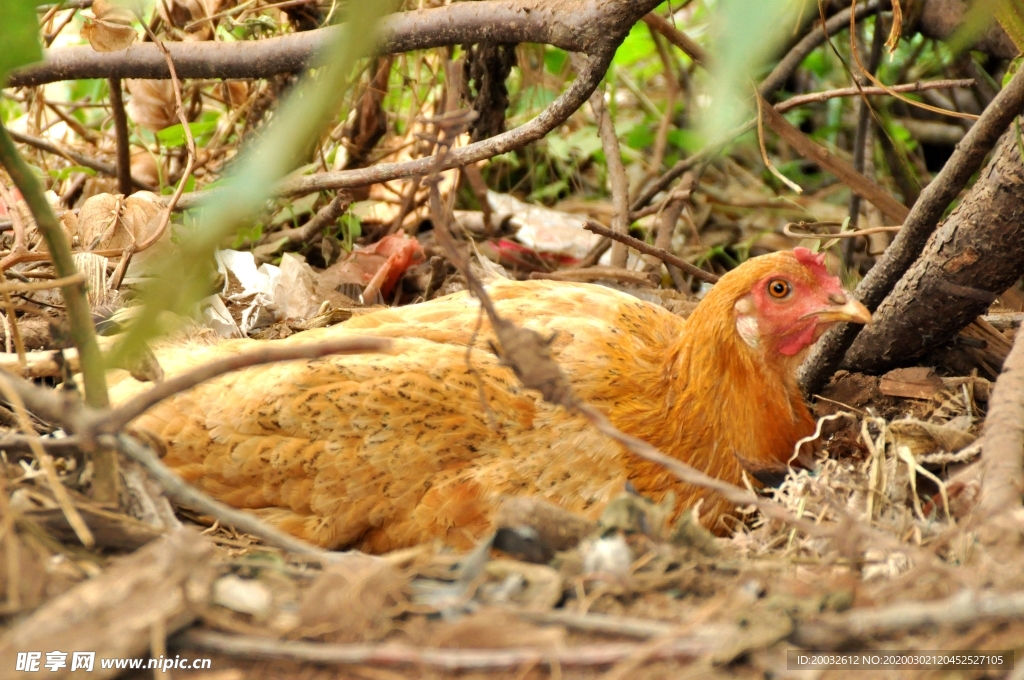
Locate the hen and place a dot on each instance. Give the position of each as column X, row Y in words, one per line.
column 381, row 451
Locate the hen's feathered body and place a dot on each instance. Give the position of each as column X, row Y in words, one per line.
column 381, row 451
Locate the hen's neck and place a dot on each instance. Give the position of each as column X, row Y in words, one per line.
column 723, row 400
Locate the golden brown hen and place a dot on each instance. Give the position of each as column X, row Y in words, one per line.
column 381, row 451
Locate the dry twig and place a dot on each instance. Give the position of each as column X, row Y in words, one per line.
column 659, row 253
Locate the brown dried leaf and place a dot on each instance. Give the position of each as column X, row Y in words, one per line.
column 236, row 92
column 111, row 29
column 110, row 221
column 105, row 36
column 152, row 104
column 188, row 13
column 923, row 438
column 144, row 168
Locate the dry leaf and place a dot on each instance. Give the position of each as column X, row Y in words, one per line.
column 110, row 221
column 923, row 438
column 236, row 92
column 144, row 168
column 187, row 14
column 111, row 29
column 152, row 104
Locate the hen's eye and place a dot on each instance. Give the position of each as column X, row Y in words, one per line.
column 779, row 288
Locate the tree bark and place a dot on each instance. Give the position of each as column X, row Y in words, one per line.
column 973, row 257
column 588, row 26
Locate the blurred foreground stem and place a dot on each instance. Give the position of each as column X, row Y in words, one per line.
column 83, row 334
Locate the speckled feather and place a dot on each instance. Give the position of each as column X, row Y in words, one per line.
column 381, row 451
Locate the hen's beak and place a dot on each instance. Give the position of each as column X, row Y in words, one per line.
column 843, row 308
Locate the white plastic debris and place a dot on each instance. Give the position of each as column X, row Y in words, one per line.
column 246, row 596
column 217, row 317
column 543, row 229
column 607, row 555
column 272, row 293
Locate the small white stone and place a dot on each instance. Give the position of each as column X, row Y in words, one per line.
column 608, row 555
column 246, row 596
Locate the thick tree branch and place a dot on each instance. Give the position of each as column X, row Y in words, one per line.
column 975, row 255
column 940, row 19
column 917, row 228
column 574, row 25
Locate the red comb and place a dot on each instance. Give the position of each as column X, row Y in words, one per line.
column 814, row 262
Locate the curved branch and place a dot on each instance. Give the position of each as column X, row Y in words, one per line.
column 583, row 30
column 183, row 494
column 547, row 120
column 113, row 421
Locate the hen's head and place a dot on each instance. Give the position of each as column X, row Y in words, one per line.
column 784, row 301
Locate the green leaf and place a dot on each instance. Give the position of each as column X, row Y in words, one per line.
column 19, row 36
column 1012, row 69
column 550, row 191
column 685, row 139
column 640, row 136
column 584, row 142
column 64, row 173
column 351, row 228
column 747, row 35
column 558, row 147
column 637, row 45
column 554, row 60
column 175, row 135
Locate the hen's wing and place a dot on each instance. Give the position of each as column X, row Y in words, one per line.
column 386, row 450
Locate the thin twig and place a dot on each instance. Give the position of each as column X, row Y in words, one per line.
column 447, row 659
column 124, row 155
column 693, row 476
column 19, row 247
column 76, row 158
column 659, row 253
column 617, row 180
column 788, row 231
column 185, row 495
column 324, row 218
column 862, row 136
column 190, row 143
column 112, row 421
column 60, row 494
column 79, row 317
column 825, row 95
column 684, row 42
column 547, row 120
